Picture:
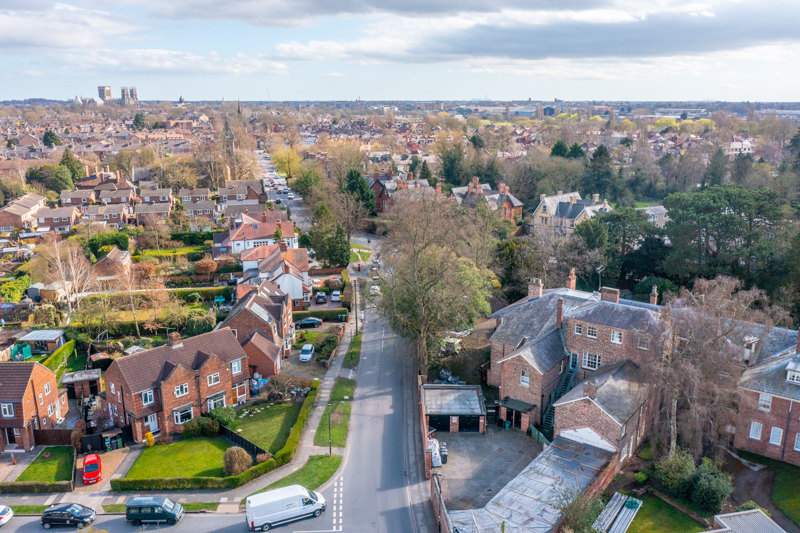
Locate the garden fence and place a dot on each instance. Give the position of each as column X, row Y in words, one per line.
column 236, row 439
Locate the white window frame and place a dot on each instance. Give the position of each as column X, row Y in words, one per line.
column 114, row 408
column 112, row 388
column 525, row 378
column 797, row 442
column 213, row 379
column 764, row 402
column 644, row 343
column 589, row 330
column 47, row 388
column 50, row 410
column 793, row 377
column 755, row 429
column 236, row 367
column 773, row 433
column 616, row 334
column 216, row 401
column 177, row 418
column 182, row 390
column 590, row 364
column 578, row 329
column 41, row 399
column 7, row 410
column 148, row 398
column 625, row 451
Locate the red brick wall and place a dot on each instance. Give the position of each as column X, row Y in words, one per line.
column 783, row 414
column 499, row 351
column 245, row 323
column 263, row 364
column 602, row 345
column 608, row 474
column 584, row 413
column 539, row 385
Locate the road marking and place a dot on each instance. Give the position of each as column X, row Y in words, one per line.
column 25, row 498
column 223, row 499
column 120, row 499
column 51, row 499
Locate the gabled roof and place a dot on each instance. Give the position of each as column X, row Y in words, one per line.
column 116, row 255
column 769, row 376
column 14, row 379
column 258, row 340
column 618, row 315
column 256, row 305
column 542, row 353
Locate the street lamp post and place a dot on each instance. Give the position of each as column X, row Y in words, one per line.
column 330, row 446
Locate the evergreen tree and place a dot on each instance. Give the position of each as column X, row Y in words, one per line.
column 559, row 149
column 452, row 167
column 339, row 248
column 358, row 185
column 139, row 121
column 715, row 172
column 278, row 236
column 60, row 179
column 425, row 173
column 576, row 152
column 73, row 164
column 415, row 162
column 599, row 175
column 51, row 139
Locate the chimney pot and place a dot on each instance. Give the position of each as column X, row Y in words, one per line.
column 559, row 312
column 535, row 288
column 438, row 189
column 595, row 198
column 542, row 197
column 106, row 168
column 654, row 296
column 572, row 200
column 572, row 280
column 607, row 294
column 590, row 388
column 175, row 339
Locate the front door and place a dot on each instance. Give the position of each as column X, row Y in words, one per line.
column 58, row 408
column 10, row 436
column 573, row 360
column 152, row 423
column 240, row 392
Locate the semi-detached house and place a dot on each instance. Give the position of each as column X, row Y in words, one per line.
column 159, row 390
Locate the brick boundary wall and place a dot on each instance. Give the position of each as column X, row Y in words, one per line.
column 439, row 510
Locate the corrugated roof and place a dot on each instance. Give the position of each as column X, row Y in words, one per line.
column 754, row 521
column 43, row 335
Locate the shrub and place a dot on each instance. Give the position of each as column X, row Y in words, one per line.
column 14, row 290
column 640, row 477
column 676, row 473
column 57, row 358
column 236, row 460
column 149, row 440
column 329, row 315
column 750, row 505
column 223, row 415
column 200, row 426
column 193, row 298
column 210, row 428
column 710, row 486
column 34, row 487
column 191, row 428
column 78, row 431
column 263, row 457
column 198, row 325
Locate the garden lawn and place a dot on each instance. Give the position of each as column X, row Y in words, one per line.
column 57, row 468
column 353, row 354
column 197, row 457
column 190, row 507
column 271, row 427
column 317, row 470
column 343, row 387
column 74, row 364
column 657, row 515
column 786, row 493
column 177, row 251
column 357, row 246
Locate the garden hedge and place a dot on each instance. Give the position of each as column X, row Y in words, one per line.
column 283, row 456
column 194, row 238
column 57, row 358
column 34, row 487
column 331, row 315
column 205, row 294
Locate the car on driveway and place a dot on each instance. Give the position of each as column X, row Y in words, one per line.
column 310, row 322
column 92, row 469
column 336, row 296
column 5, row 514
column 68, row 514
column 307, row 353
column 321, row 297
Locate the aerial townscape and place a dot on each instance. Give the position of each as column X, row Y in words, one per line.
column 377, row 301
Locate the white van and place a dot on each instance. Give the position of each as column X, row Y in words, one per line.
column 280, row 506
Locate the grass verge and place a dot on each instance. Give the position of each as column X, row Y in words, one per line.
column 28, row 509
column 57, row 468
column 337, row 412
column 271, row 427
column 353, row 354
column 343, row 387
column 786, row 493
column 191, row 507
column 198, row 457
column 357, row 246
column 658, row 515
column 317, row 470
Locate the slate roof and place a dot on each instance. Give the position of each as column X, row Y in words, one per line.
column 619, row 316
column 542, row 353
column 145, row 370
column 619, row 390
column 163, row 207
column 14, row 379
column 769, row 376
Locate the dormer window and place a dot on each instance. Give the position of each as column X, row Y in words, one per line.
column 793, row 376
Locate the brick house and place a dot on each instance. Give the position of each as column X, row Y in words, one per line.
column 194, row 195
column 284, row 267
column 157, row 196
column 112, row 265
column 251, row 233
column 501, row 200
column 612, row 409
column 263, row 355
column 266, row 310
column 159, row 390
column 238, row 193
column 201, row 208
column 21, row 213
column 29, row 400
column 80, row 198
column 60, row 219
column 144, row 211
column 119, row 196
column 114, row 215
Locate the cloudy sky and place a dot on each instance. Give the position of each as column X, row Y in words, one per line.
column 413, row 50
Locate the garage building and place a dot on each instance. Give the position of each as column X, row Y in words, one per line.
column 454, row 408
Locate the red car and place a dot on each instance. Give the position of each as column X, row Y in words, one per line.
column 92, row 469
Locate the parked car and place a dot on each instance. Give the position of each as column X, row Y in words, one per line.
column 321, row 297
column 92, row 469
column 152, row 509
column 376, row 279
column 285, row 190
column 68, row 514
column 336, row 296
column 5, row 514
column 281, row 506
column 307, row 353
column 277, row 200
column 310, row 322
column 374, row 290
column 290, row 196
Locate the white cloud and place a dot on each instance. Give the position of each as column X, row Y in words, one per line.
column 172, row 62
column 334, row 75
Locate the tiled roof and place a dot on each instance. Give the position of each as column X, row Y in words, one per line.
column 14, row 379
column 266, row 346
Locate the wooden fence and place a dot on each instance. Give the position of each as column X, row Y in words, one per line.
column 236, row 439
column 285, row 380
column 52, row 437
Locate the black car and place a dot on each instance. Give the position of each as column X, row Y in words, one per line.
column 309, row 322
column 277, row 200
column 67, row 514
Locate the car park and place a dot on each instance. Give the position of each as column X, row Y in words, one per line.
column 5, row 514
column 152, row 509
column 310, row 322
column 92, row 469
column 336, row 296
column 321, row 297
column 307, row 353
column 67, row 515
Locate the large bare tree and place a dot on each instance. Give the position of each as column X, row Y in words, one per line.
column 68, row 267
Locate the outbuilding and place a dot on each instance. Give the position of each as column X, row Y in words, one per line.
column 44, row 340
column 454, row 408
column 82, row 383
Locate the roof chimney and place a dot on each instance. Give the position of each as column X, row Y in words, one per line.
column 106, row 169
column 284, row 247
column 535, row 288
column 542, row 197
column 245, row 209
column 605, row 204
column 559, row 312
column 607, row 294
column 590, row 388
column 595, row 198
column 470, row 188
column 175, row 339
column 560, row 193
column 654, row 296
column 263, row 216
column 572, row 280
column 86, row 170
column 438, row 189
column 572, row 200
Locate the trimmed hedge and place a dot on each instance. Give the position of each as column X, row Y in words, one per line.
column 194, row 238
column 34, row 487
column 283, row 456
column 57, row 358
column 205, row 294
column 331, row 315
